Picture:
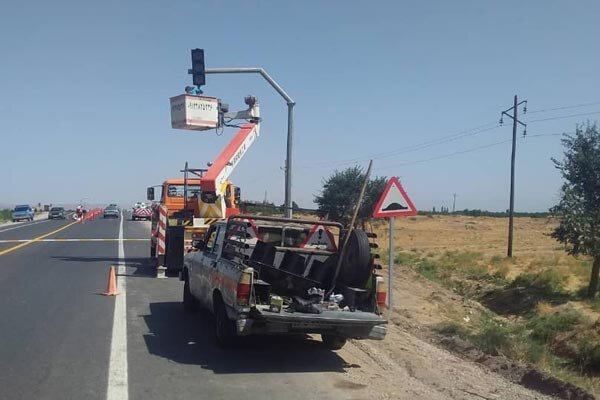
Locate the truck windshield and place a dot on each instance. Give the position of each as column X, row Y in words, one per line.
column 178, row 190
column 21, row 208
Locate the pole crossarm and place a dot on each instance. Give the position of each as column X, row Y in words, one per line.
column 290, row 128
column 259, row 71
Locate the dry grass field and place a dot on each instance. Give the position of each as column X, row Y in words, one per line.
column 485, row 238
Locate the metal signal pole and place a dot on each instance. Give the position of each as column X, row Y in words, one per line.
column 516, row 121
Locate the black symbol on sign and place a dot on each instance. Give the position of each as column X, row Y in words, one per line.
column 395, row 206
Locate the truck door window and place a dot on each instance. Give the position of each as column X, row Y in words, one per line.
column 219, row 240
column 210, row 239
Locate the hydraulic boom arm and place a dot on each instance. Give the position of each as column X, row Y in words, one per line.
column 213, row 180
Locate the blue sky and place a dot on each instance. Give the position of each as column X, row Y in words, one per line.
column 84, row 109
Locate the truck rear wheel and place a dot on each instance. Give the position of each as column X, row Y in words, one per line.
column 224, row 327
column 333, row 342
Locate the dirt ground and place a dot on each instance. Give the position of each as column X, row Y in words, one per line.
column 408, row 365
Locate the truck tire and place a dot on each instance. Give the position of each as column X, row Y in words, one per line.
column 190, row 304
column 225, row 334
column 356, row 266
column 333, row 342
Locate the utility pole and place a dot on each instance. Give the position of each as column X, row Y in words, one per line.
column 454, row 204
column 516, row 121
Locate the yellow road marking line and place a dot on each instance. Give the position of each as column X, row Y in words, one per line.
column 70, row 240
column 37, row 239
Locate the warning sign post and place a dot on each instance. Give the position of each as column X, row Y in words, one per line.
column 394, row 202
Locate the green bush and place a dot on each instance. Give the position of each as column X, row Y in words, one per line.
column 493, row 337
column 5, row 215
column 543, row 327
column 535, row 350
column 548, row 282
column 428, row 269
column 588, row 354
column 406, row 258
column 451, row 328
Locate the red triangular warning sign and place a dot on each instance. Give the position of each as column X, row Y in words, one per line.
column 394, row 202
column 319, row 237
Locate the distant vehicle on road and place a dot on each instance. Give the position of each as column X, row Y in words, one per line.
column 112, row 211
column 139, row 204
column 141, row 212
column 23, row 213
column 56, row 213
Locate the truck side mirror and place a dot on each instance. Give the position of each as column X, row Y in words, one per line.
column 198, row 244
column 150, row 193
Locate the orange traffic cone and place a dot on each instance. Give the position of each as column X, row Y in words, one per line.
column 111, row 288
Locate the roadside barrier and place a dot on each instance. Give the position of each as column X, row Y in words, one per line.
column 111, row 287
column 91, row 215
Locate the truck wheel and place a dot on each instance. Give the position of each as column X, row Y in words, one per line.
column 333, row 342
column 190, row 304
column 224, row 327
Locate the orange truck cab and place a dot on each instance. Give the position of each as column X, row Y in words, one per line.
column 187, row 219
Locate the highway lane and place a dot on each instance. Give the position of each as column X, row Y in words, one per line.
column 54, row 326
column 27, row 230
column 55, row 330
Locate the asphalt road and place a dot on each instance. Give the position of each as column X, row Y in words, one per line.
column 56, row 329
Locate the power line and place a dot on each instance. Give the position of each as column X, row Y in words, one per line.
column 563, row 117
column 470, row 150
column 447, row 139
column 563, row 107
column 446, row 155
column 430, row 143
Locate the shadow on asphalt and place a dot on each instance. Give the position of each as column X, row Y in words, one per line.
column 188, row 339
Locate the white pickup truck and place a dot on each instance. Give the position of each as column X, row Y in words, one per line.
column 266, row 275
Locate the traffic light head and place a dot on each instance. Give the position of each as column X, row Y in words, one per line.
column 198, row 72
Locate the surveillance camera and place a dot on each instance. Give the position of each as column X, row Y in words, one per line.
column 250, row 101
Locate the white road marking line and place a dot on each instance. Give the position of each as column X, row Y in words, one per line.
column 24, row 225
column 117, row 368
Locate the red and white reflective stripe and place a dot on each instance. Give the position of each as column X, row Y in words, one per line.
column 145, row 212
column 162, row 229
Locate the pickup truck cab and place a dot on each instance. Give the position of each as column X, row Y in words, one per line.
column 22, row 213
column 266, row 275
